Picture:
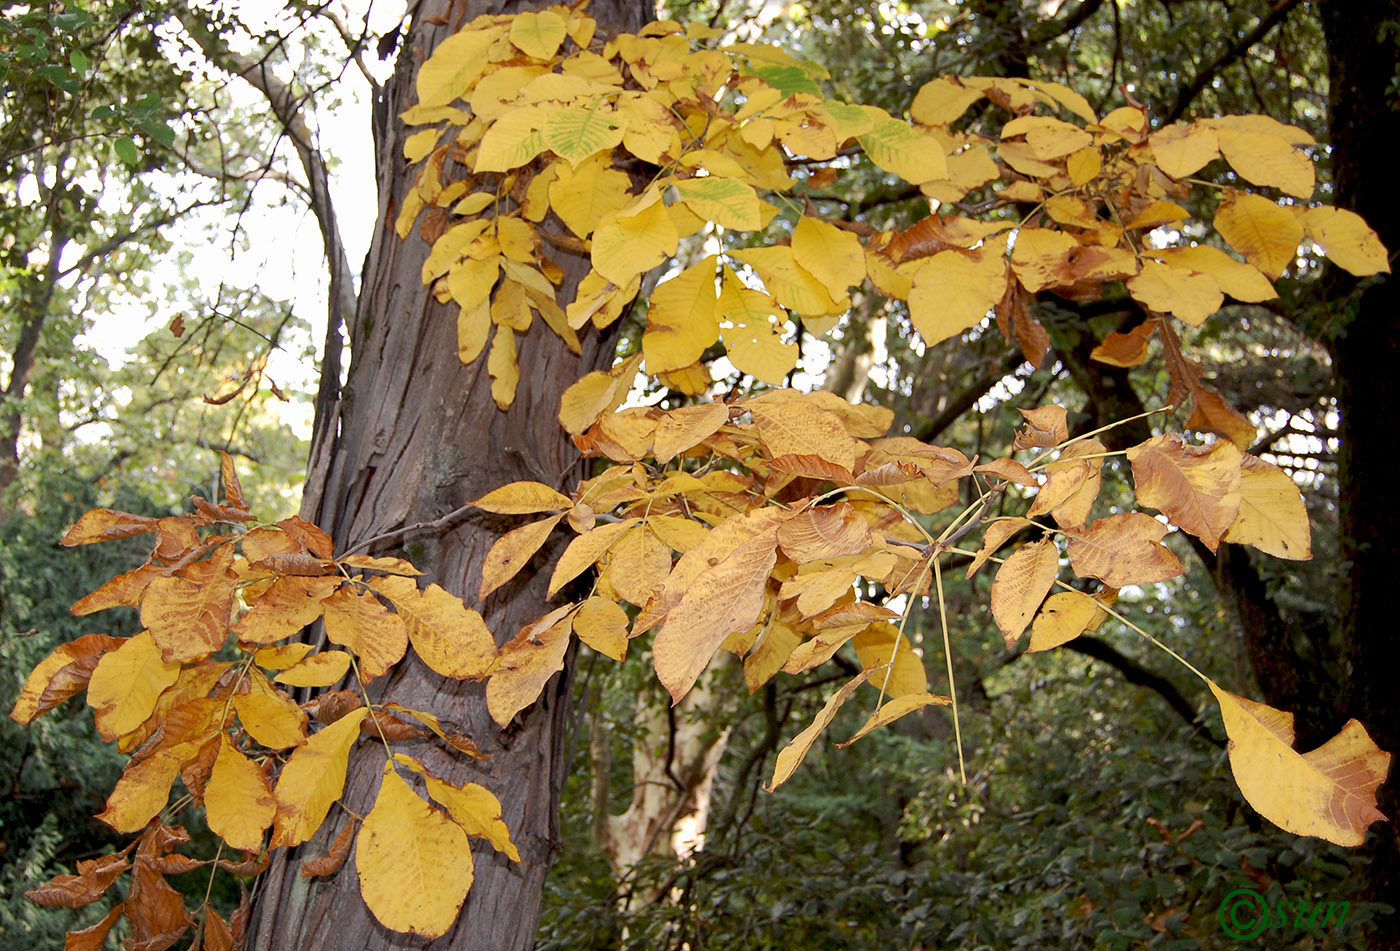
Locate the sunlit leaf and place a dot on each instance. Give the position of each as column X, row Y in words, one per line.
column 313, row 779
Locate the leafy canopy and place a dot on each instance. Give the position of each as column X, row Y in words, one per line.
column 750, row 525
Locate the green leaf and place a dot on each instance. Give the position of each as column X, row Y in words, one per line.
column 788, row 80
column 126, row 150
column 78, row 60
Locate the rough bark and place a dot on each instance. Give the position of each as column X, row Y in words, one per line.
column 413, row 435
column 1363, row 61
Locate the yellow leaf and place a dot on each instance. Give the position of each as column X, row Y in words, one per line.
column 188, row 619
column 754, row 342
column 682, row 318
column 357, row 620
column 583, row 195
column 583, row 552
column 538, row 34
column 1197, row 487
column 907, row 152
column 454, row 67
column 791, row 423
column 723, row 599
column 831, row 255
column 792, row 755
column 602, row 625
column 897, row 670
column 1084, row 165
column 321, row 669
column 942, row 101
column 727, row 202
column 473, row 807
column 954, row 290
column 289, row 604
column 414, row 864
column 419, row 144
column 63, row 673
column 1181, row 150
column 575, row 133
column 1346, row 239
column 1268, row 160
column 470, row 282
column 513, row 139
column 237, row 802
column 1329, row 793
column 1048, row 138
column 527, row 662
column 1241, row 281
column 788, row 282
column 126, row 684
column 626, row 245
column 1157, row 213
column 270, row 716
column 894, row 709
column 504, row 370
column 1123, row 549
column 1041, row 258
column 313, row 779
column 522, row 498
column 1173, row 290
column 686, row 427
column 1272, row 515
column 770, row 654
column 637, row 564
column 144, row 787
column 512, row 552
column 1062, row 618
column 450, row 247
column 1021, row 584
column 450, row 637
column 1267, row 235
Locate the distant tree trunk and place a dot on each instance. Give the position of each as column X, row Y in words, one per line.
column 1364, row 59
column 413, row 436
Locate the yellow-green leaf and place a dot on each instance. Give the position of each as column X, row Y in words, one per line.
column 898, row 148
column 576, row 133
column 682, row 318
column 538, row 34
column 727, row 202
column 454, row 66
column 626, row 245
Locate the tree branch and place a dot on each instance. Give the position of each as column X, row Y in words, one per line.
column 1191, row 90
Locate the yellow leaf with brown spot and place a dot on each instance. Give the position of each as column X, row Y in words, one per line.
column 1041, row 258
column 512, row 552
column 62, row 674
column 1272, row 516
column 1123, row 549
column 237, row 802
column 1329, row 793
column 414, row 864
column 527, row 662
column 792, row 755
column 313, row 779
column 1267, row 235
column 954, row 290
column 190, row 619
column 1346, row 239
column 1197, row 487
column 896, row 708
column 1021, row 584
column 126, row 683
column 1062, row 618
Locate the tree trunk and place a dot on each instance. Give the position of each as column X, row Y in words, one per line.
column 1364, row 59
column 414, row 435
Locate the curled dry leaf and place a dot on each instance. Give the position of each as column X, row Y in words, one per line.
column 1046, row 426
column 335, row 856
column 62, row 674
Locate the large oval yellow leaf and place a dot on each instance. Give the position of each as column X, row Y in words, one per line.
column 358, row 621
column 831, row 255
column 1062, row 618
column 755, row 341
column 1329, row 793
column 627, row 245
column 727, row 202
column 1272, row 515
column 1174, row 290
column 321, row 669
column 1347, row 240
column 1267, row 235
column 682, row 318
column 522, row 498
column 472, row 806
column 237, row 802
column 909, row 153
column 414, row 864
column 313, row 779
column 602, row 625
column 454, row 66
column 126, row 684
column 954, row 290
column 1268, row 160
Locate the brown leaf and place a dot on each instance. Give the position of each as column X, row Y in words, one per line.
column 1197, row 487
column 332, row 705
column 1045, row 426
column 812, row 467
column 103, row 525
column 1009, row 470
column 307, row 535
column 217, row 934
column 62, row 674
column 1213, row 415
column 289, row 604
column 1122, row 550
column 295, row 563
column 824, row 531
column 687, row 427
column 93, row 937
column 94, row 877
column 1126, row 349
column 331, row 862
